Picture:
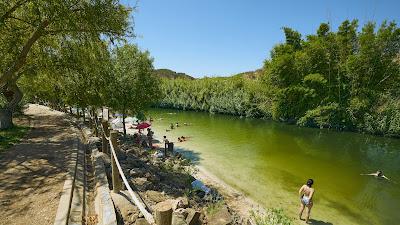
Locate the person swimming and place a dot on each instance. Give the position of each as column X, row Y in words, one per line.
column 306, row 194
column 377, row 174
column 182, row 139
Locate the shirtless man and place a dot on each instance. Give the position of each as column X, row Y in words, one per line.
column 378, row 174
column 306, row 193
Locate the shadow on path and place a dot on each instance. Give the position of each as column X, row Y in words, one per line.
column 32, row 173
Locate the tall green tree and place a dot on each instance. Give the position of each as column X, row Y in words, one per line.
column 30, row 30
column 134, row 86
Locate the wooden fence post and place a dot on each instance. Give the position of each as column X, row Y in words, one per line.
column 105, row 141
column 96, row 130
column 163, row 213
column 116, row 181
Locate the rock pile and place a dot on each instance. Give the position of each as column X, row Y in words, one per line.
column 167, row 182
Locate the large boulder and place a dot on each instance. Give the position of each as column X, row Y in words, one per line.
column 155, row 196
column 136, row 172
column 126, row 210
column 141, row 183
column 181, row 202
column 220, row 216
column 141, row 221
column 193, row 217
column 179, row 217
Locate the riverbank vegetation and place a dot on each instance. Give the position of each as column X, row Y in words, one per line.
column 271, row 216
column 347, row 79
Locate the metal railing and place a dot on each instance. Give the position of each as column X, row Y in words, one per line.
column 109, row 142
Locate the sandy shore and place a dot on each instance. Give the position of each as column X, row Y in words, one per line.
column 233, row 198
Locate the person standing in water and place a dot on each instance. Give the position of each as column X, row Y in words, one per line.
column 306, row 194
column 150, row 137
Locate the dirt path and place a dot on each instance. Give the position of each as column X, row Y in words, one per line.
column 32, row 173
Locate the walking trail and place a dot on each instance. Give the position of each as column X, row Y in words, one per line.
column 32, row 173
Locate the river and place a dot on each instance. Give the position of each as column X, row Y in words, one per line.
column 269, row 161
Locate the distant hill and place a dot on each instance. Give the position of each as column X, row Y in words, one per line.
column 252, row 75
column 166, row 73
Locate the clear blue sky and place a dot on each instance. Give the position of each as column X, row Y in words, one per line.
column 225, row 37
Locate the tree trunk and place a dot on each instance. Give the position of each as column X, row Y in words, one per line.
column 7, row 76
column 95, row 121
column 5, row 119
column 83, row 114
column 70, row 110
column 13, row 96
column 123, row 123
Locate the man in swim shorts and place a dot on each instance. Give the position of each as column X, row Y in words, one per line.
column 306, row 193
column 378, row 174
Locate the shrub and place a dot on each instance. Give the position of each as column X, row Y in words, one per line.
column 271, row 216
column 326, row 116
column 292, row 102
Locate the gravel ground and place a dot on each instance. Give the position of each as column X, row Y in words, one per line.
column 32, row 173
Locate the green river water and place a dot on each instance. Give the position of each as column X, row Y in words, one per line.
column 269, row 161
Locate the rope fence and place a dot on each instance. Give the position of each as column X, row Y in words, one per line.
column 109, row 146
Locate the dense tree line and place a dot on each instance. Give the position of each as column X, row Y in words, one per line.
column 348, row 79
column 93, row 76
column 236, row 96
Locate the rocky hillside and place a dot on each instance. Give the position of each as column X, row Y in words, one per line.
column 252, row 75
column 172, row 74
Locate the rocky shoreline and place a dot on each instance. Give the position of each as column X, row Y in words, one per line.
column 169, row 179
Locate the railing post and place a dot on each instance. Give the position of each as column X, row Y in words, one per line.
column 96, row 130
column 104, row 143
column 116, row 181
column 104, row 135
column 163, row 213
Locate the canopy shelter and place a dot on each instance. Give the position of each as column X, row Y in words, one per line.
column 143, row 125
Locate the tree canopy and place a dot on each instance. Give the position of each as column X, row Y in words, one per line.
column 34, row 33
column 134, row 85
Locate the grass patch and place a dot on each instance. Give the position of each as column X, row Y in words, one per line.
column 272, row 216
column 11, row 136
column 214, row 207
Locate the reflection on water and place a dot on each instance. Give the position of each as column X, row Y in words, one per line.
column 269, row 162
